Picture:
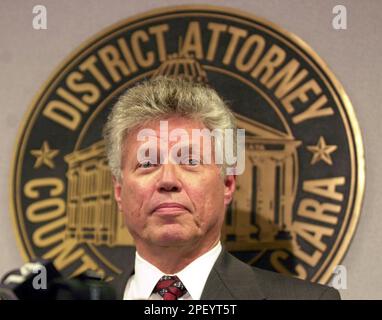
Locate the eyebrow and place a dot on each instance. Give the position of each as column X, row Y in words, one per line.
column 188, row 149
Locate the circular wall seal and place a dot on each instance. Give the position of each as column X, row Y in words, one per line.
column 298, row 202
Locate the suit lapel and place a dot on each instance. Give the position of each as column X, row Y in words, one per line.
column 231, row 279
column 215, row 288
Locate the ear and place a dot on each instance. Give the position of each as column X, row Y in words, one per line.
column 117, row 192
column 229, row 188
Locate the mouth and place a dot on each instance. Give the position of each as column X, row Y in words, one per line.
column 170, row 209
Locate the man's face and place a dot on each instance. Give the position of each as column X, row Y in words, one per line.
column 172, row 204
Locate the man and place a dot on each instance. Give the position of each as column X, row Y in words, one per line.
column 174, row 200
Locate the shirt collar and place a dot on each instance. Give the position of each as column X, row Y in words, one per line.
column 194, row 276
column 147, row 275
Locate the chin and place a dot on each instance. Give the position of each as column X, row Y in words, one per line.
column 172, row 234
column 172, row 240
column 171, row 237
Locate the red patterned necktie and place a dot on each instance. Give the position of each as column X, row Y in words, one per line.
column 170, row 288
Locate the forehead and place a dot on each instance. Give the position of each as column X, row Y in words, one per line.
column 162, row 128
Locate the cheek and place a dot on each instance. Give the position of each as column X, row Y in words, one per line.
column 216, row 199
column 133, row 197
column 208, row 197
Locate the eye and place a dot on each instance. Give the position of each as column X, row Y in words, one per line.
column 193, row 162
column 146, row 164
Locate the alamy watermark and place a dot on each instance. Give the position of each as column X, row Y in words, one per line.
column 339, row 279
column 339, row 21
column 40, row 18
column 204, row 146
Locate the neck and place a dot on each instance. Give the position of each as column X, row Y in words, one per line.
column 172, row 259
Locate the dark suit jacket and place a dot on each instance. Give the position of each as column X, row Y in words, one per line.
column 231, row 279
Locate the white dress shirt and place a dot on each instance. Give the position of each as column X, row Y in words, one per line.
column 141, row 284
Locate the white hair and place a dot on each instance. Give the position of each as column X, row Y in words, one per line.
column 158, row 99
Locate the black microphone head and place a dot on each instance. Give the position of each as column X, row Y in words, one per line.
column 32, row 281
column 86, row 286
column 40, row 280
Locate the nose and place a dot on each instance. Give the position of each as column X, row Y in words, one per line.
column 168, row 180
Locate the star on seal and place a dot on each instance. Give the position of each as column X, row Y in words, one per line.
column 44, row 156
column 322, row 151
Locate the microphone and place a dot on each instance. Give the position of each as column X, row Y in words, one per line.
column 40, row 280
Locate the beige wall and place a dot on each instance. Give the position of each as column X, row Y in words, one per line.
column 28, row 57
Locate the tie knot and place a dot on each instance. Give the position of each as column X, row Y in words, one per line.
column 170, row 288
